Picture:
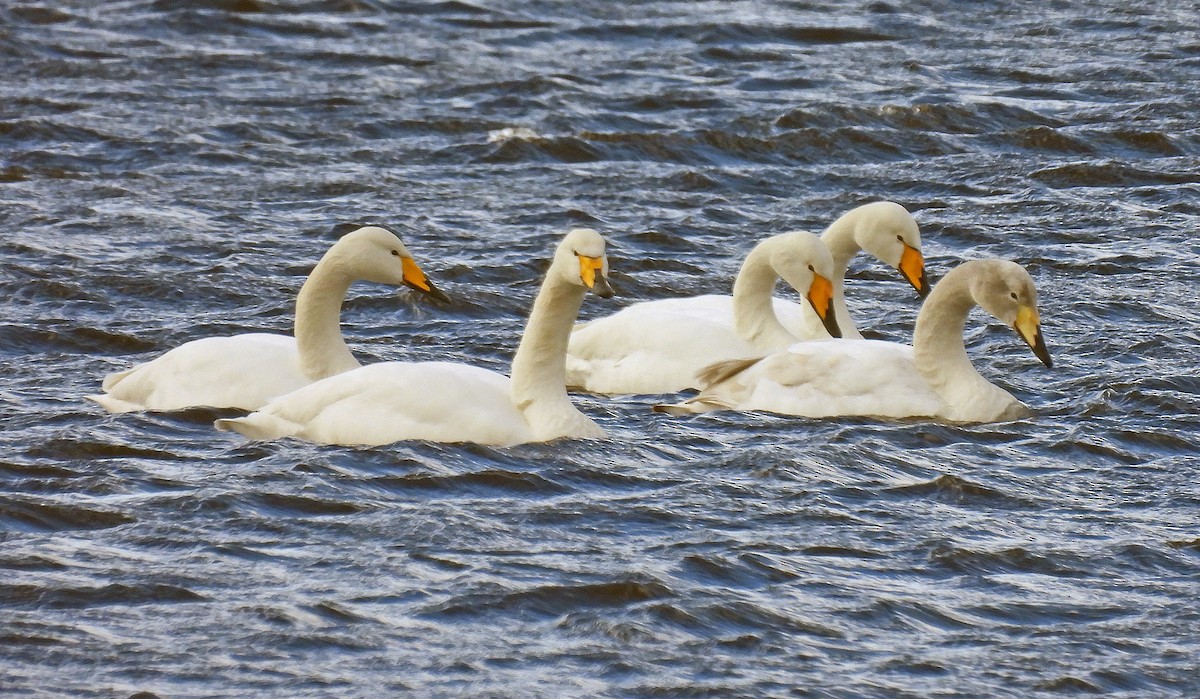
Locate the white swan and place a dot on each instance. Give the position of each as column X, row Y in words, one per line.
column 447, row 402
column 245, row 371
column 886, row 231
column 659, row 346
column 932, row 378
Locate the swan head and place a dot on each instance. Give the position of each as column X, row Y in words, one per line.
column 1006, row 290
column 376, row 254
column 888, row 232
column 581, row 261
column 804, row 262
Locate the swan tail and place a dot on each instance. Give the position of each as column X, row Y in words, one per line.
column 110, row 402
column 694, row 406
column 258, row 426
column 114, row 405
column 720, row 371
column 114, row 378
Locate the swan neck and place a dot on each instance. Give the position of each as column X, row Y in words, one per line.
column 938, row 349
column 539, row 373
column 323, row 351
column 841, row 239
column 753, row 303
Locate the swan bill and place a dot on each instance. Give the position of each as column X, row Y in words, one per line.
column 1028, row 326
column 820, row 295
column 912, row 266
column 414, row 278
column 602, row 288
column 588, row 268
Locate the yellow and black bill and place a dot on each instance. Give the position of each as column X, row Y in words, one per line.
column 591, row 273
column 820, row 295
column 912, row 266
column 414, row 278
column 1028, row 326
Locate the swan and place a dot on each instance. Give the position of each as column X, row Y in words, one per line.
column 887, row 232
column 658, row 346
column 932, row 378
column 450, row 402
column 245, row 371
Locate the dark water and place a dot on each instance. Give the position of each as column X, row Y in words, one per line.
column 172, row 169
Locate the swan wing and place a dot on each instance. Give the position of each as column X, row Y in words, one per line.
column 241, row 371
column 654, row 346
column 823, row 379
column 394, row 401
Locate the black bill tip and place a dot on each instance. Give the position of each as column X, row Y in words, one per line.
column 922, row 285
column 830, row 321
column 1040, row 351
column 601, row 287
column 431, row 291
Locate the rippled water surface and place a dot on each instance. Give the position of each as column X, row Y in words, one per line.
column 172, row 169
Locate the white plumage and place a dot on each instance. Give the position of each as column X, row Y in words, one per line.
column 660, row 346
column 449, row 402
column 933, row 378
column 884, row 230
column 245, row 371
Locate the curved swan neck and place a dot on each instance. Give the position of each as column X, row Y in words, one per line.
column 754, row 316
column 841, row 237
column 539, row 372
column 938, row 349
column 323, row 351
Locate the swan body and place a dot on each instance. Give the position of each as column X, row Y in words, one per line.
column 394, row 401
column 245, row 371
column 658, row 346
column 933, row 378
column 242, row 371
column 448, row 402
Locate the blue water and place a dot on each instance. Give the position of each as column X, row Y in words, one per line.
column 171, row 170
